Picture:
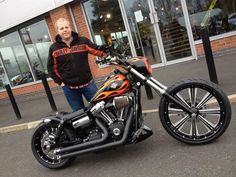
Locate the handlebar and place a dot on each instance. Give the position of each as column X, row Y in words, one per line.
column 113, row 58
column 108, row 60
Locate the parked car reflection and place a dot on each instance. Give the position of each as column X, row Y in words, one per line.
column 232, row 20
column 27, row 77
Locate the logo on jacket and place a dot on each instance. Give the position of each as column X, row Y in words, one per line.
column 73, row 49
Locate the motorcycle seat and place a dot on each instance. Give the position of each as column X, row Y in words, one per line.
column 69, row 115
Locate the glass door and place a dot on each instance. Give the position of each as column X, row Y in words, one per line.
column 173, row 29
column 159, row 30
column 142, row 31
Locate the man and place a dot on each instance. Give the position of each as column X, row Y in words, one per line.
column 68, row 64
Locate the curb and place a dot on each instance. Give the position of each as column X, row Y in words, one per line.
column 31, row 125
column 19, row 127
column 232, row 98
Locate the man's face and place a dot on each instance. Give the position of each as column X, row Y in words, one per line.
column 64, row 30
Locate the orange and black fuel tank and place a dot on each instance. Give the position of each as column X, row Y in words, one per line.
column 116, row 85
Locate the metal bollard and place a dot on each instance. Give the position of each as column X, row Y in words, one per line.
column 13, row 101
column 148, row 92
column 209, row 56
column 48, row 92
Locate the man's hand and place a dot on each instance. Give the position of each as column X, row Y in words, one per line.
column 104, row 48
column 62, row 84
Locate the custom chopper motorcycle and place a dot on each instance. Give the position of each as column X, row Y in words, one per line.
column 192, row 111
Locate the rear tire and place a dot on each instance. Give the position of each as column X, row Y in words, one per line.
column 213, row 112
column 45, row 156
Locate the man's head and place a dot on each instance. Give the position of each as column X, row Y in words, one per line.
column 63, row 28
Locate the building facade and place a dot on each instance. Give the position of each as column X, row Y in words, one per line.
column 166, row 31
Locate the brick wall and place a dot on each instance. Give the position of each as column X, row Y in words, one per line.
column 27, row 89
column 217, row 45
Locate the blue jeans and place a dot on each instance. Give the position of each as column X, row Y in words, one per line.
column 74, row 96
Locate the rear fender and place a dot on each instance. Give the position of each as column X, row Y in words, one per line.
column 52, row 118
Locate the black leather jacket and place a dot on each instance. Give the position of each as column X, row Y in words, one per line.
column 70, row 64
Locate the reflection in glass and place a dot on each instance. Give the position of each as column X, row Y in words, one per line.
column 107, row 25
column 222, row 18
column 142, row 30
column 15, row 59
column 36, row 40
column 173, row 29
column 3, row 79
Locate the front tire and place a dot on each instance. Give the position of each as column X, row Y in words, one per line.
column 212, row 117
column 39, row 142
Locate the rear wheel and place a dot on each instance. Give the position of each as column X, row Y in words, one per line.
column 43, row 139
column 213, row 112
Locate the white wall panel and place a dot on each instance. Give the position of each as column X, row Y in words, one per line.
column 14, row 12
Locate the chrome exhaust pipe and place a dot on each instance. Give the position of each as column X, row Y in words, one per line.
column 104, row 146
column 87, row 144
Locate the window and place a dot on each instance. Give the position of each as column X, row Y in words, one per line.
column 107, row 25
column 37, row 41
column 14, row 58
column 24, row 51
column 222, row 18
column 3, row 79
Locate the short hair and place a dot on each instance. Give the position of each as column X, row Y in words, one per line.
column 61, row 20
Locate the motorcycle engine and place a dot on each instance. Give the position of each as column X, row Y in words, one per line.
column 121, row 102
column 117, row 129
column 114, row 113
column 94, row 135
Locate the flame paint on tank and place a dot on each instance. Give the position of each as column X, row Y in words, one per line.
column 115, row 86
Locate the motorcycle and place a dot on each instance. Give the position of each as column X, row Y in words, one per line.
column 193, row 111
column 38, row 73
column 22, row 78
column 27, row 77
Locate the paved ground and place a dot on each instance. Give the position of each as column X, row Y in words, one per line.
column 158, row 156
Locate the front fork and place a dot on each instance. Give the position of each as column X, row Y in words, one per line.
column 162, row 90
column 157, row 86
column 138, row 106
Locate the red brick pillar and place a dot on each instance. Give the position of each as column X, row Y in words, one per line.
column 54, row 15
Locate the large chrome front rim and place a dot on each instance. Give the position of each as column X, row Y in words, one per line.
column 203, row 124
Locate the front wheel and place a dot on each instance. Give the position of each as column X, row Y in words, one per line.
column 212, row 117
